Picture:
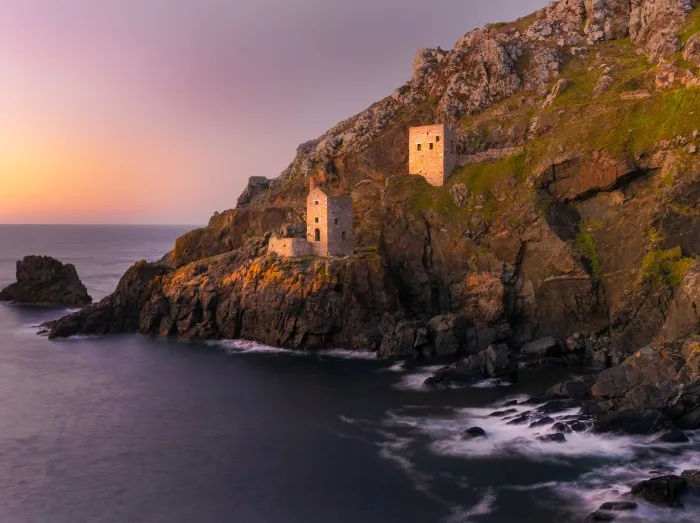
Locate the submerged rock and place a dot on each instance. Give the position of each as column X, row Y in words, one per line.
column 618, row 506
column 672, row 436
column 474, row 433
column 662, row 490
column 42, row 280
column 557, row 437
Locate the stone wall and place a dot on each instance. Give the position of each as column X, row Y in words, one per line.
column 432, row 152
column 490, row 155
column 289, row 247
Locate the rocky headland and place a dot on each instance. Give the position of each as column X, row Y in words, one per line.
column 570, row 235
column 42, row 280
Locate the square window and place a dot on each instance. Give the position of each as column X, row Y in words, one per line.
column 437, row 138
column 336, row 221
column 316, row 203
column 431, row 146
column 419, row 147
column 316, row 220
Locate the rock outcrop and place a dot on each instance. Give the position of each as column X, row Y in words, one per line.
column 42, row 280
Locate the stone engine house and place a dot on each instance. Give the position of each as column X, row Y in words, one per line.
column 432, row 152
column 329, row 227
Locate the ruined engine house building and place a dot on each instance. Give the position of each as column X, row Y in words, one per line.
column 432, row 152
column 329, row 227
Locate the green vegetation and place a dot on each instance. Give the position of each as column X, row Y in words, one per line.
column 489, row 180
column 587, row 249
column 692, row 25
column 665, row 268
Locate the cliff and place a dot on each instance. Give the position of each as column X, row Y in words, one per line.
column 578, row 213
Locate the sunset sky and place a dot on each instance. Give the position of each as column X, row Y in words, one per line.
column 158, row 111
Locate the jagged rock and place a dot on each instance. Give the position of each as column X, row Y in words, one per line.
column 663, row 490
column 256, row 185
column 603, row 84
column 691, row 52
column 42, row 280
column 645, row 381
column 494, row 362
column 655, row 24
column 558, row 88
column 407, row 340
column 542, row 421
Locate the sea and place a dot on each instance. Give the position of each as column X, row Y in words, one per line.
column 123, row 429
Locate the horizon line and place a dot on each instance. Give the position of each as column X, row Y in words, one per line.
column 103, row 224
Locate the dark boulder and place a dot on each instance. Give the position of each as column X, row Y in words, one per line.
column 618, row 506
column 542, row 348
column 600, row 515
column 541, row 422
column 501, row 413
column 42, row 280
column 474, row 433
column 557, row 437
column 496, row 361
column 692, row 477
column 633, row 423
column 672, row 436
column 554, row 406
column 520, row 420
column 662, row 490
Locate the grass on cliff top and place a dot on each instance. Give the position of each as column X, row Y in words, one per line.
column 489, row 180
column 623, row 128
column 692, row 25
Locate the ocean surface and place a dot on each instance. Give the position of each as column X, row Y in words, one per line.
column 124, row 429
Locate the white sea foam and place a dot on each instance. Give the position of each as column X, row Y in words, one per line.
column 614, row 482
column 415, row 379
column 631, row 458
column 466, row 515
column 445, row 434
column 249, row 347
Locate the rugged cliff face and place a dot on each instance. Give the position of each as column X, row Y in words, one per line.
column 578, row 214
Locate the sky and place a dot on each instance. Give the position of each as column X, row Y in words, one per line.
column 158, row 111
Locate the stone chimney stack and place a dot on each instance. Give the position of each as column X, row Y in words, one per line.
column 312, row 183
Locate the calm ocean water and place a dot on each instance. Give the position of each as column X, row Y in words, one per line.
column 125, row 429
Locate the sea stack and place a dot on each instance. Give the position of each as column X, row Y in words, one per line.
column 42, row 280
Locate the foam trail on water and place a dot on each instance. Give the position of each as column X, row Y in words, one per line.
column 249, row 347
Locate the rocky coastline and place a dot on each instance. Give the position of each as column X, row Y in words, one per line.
column 579, row 248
